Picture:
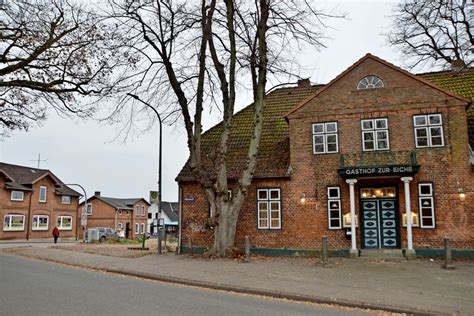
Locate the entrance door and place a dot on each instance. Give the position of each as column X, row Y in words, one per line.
column 380, row 225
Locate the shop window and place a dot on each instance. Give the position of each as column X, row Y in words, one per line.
column 370, row 82
column 14, row 222
column 426, row 205
column 40, row 222
column 325, row 138
column 334, row 207
column 375, row 134
column 17, row 196
column 42, row 194
column 64, row 222
column 428, row 130
column 268, row 209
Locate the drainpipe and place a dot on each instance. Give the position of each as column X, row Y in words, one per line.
column 180, row 193
column 29, row 216
column 116, row 214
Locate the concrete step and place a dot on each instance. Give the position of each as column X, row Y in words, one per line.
column 382, row 254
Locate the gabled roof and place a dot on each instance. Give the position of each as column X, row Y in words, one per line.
column 171, row 209
column 22, row 178
column 370, row 56
column 118, row 203
column 274, row 156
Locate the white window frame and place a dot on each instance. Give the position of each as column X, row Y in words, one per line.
column 370, row 82
column 428, row 127
column 10, row 219
column 374, row 131
column 137, row 210
column 44, row 189
column 66, row 201
column 17, row 199
column 325, row 133
column 143, row 210
column 268, row 202
column 422, row 197
column 334, row 200
column 142, row 228
column 120, row 226
column 137, row 229
column 37, row 227
column 60, row 222
column 88, row 209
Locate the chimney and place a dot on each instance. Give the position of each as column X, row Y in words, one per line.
column 304, row 83
column 457, row 65
column 97, row 193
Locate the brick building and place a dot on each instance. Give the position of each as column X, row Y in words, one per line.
column 33, row 201
column 129, row 215
column 377, row 158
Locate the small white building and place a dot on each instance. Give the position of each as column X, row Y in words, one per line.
column 167, row 218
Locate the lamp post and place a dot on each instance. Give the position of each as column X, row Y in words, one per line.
column 84, row 209
column 159, row 161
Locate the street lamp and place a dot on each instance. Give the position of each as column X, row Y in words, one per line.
column 159, row 161
column 83, row 211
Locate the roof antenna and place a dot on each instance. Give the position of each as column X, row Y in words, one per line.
column 39, row 160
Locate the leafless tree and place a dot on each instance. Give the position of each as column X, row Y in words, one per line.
column 434, row 32
column 52, row 52
column 199, row 55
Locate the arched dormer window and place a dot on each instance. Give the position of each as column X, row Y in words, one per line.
column 370, row 82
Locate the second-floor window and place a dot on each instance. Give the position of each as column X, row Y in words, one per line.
column 137, row 210
column 428, row 130
column 325, row 139
column 17, row 196
column 143, row 210
column 89, row 209
column 42, row 194
column 375, row 134
column 66, row 199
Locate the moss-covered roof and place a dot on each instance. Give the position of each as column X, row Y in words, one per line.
column 274, row 154
column 461, row 83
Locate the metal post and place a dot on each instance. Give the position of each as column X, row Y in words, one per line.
column 159, row 157
column 324, row 251
column 448, row 257
column 159, row 240
column 247, row 249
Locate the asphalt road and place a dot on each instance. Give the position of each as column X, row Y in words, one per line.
column 29, row 287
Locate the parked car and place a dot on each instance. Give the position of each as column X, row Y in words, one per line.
column 106, row 233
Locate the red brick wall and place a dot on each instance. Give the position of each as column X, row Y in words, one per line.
column 304, row 225
column 52, row 208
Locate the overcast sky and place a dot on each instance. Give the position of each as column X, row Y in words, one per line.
column 86, row 153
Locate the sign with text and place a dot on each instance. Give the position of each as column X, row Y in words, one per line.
column 399, row 170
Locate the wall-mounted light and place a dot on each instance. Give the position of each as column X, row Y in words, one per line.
column 303, row 199
column 462, row 195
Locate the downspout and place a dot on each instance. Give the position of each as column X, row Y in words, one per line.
column 180, row 193
column 116, row 214
column 29, row 216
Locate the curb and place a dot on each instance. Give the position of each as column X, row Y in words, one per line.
column 244, row 290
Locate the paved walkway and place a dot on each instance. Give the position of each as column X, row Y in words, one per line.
column 416, row 286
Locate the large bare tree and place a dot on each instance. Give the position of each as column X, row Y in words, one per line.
column 201, row 54
column 434, row 32
column 50, row 53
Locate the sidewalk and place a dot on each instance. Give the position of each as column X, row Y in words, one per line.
column 415, row 286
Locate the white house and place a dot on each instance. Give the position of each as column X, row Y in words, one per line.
column 167, row 218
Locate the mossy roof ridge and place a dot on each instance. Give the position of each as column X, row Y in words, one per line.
column 461, row 83
column 273, row 156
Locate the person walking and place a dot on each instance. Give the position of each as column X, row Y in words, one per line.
column 55, row 234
